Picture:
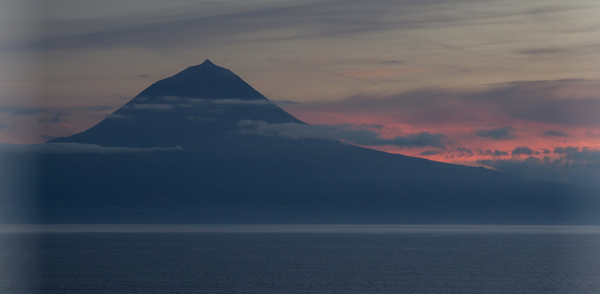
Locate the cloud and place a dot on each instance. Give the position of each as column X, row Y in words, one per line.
column 568, row 102
column 355, row 134
column 284, row 102
column 579, row 50
column 290, row 20
column 578, row 156
column 389, row 62
column 47, row 137
column 464, row 152
column 195, row 118
column 157, row 107
column 217, row 23
column 21, row 110
column 494, row 153
column 571, row 165
column 117, row 116
column 64, row 148
column 7, row 126
column 554, row 134
column 94, row 108
column 505, row 133
column 236, row 101
column 431, row 152
column 458, row 152
column 184, row 102
column 524, row 150
column 51, row 120
column 592, row 135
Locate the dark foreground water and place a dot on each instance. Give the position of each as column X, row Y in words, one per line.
column 336, row 261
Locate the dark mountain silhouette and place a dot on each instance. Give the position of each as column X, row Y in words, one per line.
column 220, row 175
column 190, row 109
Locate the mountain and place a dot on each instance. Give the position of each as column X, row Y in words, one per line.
column 209, row 171
column 198, row 105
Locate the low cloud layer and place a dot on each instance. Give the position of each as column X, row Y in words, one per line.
column 241, row 102
column 569, row 164
column 356, row 134
column 67, row 148
column 149, row 106
column 172, row 102
column 524, row 150
column 554, row 134
column 505, row 133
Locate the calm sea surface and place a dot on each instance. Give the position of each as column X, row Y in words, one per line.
column 300, row 259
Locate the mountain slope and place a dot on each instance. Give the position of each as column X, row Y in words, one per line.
column 224, row 176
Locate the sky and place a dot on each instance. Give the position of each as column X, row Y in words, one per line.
column 509, row 85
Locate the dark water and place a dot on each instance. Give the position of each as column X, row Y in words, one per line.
column 434, row 262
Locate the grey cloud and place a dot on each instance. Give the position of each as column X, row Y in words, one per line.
column 158, row 107
column 241, row 102
column 578, row 156
column 58, row 112
column 388, row 62
column 195, row 118
column 592, row 135
column 355, row 134
column 566, row 150
column 505, row 133
column 7, row 126
column 538, row 51
column 316, row 19
column 47, row 137
column 537, row 101
column 64, row 148
column 541, row 82
column 94, row 108
column 583, row 49
column 459, row 152
column 268, row 21
column 284, row 102
column 117, row 116
column 51, row 120
column 20, row 110
column 496, row 153
column 524, row 150
column 464, row 152
column 196, row 102
column 431, row 152
column 573, row 165
column 530, row 168
column 554, row 134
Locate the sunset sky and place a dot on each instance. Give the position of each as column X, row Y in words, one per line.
column 510, row 85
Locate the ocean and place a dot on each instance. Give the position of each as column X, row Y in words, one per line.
column 300, row 259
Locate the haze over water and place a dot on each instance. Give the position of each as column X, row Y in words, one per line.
column 301, row 259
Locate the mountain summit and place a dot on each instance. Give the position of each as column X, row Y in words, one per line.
column 203, row 81
column 200, row 104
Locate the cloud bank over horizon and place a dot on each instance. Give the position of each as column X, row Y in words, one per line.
column 365, row 135
column 69, row 148
column 495, row 119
